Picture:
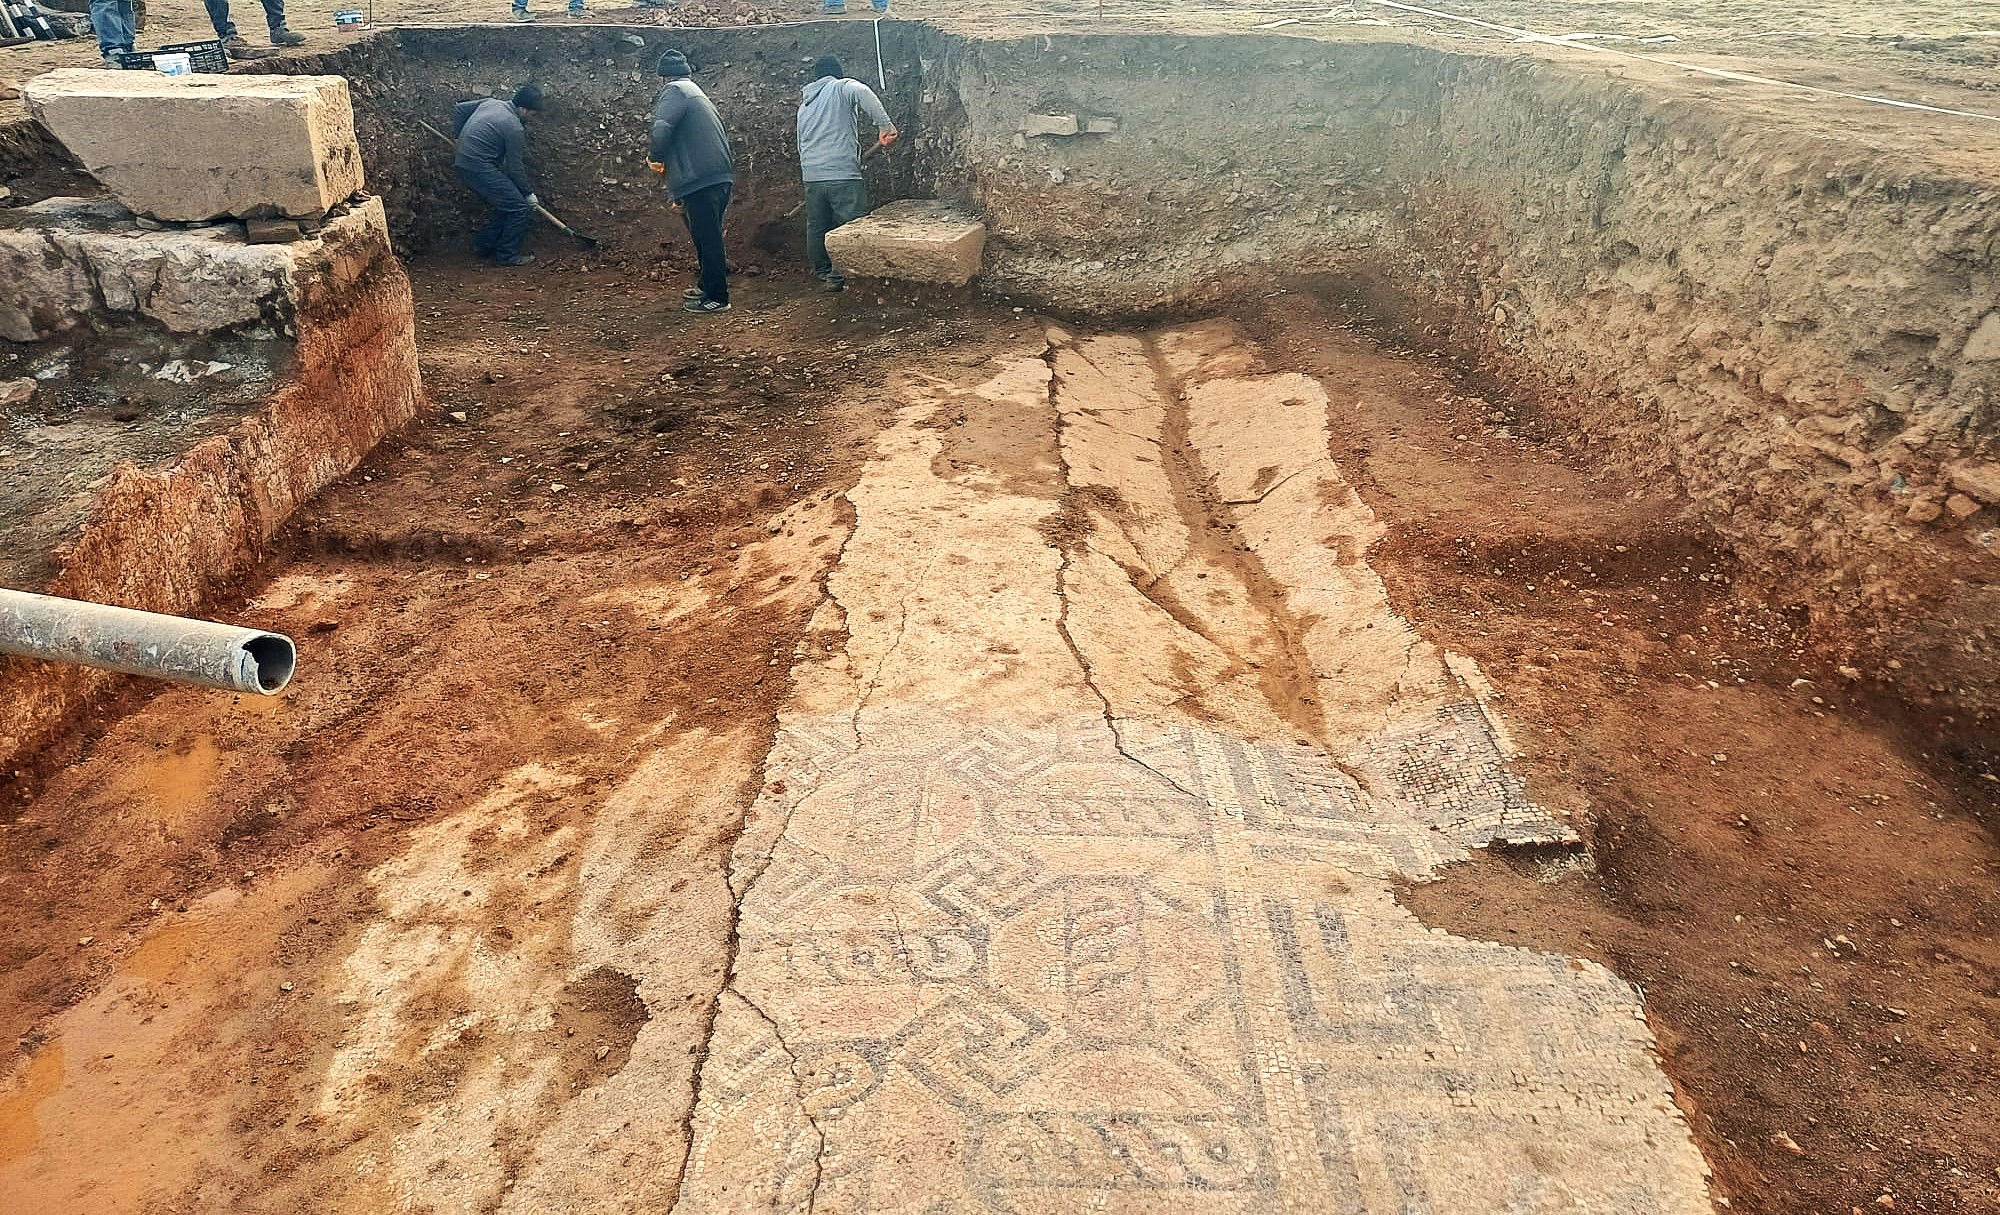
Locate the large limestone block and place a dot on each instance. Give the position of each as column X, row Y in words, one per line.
column 205, row 146
column 918, row 239
column 66, row 263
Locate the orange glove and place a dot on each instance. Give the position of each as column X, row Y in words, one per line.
column 888, row 137
column 657, row 167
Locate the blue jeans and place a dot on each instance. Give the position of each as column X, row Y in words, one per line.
column 218, row 16
column 500, row 239
column 575, row 8
column 113, row 21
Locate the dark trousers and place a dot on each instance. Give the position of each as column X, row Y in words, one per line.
column 501, row 237
column 218, row 16
column 702, row 210
column 829, row 204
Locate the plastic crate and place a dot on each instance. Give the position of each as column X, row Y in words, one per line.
column 202, row 56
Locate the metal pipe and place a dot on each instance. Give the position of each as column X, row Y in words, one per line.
column 145, row 643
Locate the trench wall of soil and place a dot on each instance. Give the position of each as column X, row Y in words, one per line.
column 168, row 538
column 1800, row 331
column 1803, row 332
column 587, row 149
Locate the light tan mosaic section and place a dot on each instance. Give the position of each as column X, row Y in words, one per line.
column 1007, row 945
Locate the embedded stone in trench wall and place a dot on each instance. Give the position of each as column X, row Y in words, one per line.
column 204, row 146
column 917, row 239
column 66, row 260
column 1036, row 126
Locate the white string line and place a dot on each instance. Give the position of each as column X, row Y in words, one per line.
column 1719, row 73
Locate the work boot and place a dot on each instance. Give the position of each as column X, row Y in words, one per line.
column 283, row 36
column 235, row 46
column 112, row 60
column 519, row 259
column 833, row 284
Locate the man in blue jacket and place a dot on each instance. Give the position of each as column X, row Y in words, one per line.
column 690, row 148
column 491, row 138
column 830, row 158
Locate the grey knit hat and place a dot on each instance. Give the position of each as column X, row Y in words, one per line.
column 673, row 63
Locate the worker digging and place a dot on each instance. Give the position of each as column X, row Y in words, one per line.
column 492, row 141
column 1416, row 634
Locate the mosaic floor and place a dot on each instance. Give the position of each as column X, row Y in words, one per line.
column 1014, row 938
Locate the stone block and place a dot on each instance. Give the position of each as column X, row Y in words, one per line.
column 1984, row 344
column 202, row 147
column 271, row 231
column 1980, row 479
column 1961, row 506
column 1101, row 126
column 67, row 262
column 1049, row 124
column 919, row 239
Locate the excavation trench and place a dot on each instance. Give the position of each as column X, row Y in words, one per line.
column 896, row 752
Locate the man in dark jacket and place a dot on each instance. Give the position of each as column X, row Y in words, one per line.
column 691, row 149
column 490, row 141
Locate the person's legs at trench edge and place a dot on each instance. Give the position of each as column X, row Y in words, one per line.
column 702, row 212
column 112, row 21
column 829, row 205
column 500, row 239
column 218, row 17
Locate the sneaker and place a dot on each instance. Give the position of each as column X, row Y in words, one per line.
column 519, row 259
column 112, row 60
column 287, row 37
column 833, row 284
column 692, row 293
column 523, row 15
column 235, row 45
column 705, row 305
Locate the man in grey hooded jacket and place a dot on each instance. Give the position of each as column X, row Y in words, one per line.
column 830, row 158
column 691, row 150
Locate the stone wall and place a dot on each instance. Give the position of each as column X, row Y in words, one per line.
column 168, row 535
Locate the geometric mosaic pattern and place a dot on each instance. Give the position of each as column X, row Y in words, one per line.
column 999, row 951
column 989, row 968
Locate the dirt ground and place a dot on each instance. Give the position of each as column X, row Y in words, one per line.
column 627, row 531
column 501, row 614
column 1941, row 52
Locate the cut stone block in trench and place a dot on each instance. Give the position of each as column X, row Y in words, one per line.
column 206, row 146
column 917, row 239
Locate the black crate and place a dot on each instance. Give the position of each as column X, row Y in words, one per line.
column 202, row 56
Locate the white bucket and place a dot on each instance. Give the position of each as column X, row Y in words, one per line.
column 176, row 64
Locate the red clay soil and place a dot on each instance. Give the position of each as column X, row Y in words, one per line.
column 1806, row 895
column 441, row 598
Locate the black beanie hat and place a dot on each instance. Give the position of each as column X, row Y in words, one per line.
column 673, row 63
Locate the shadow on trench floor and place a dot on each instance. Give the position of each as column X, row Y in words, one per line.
column 546, row 634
